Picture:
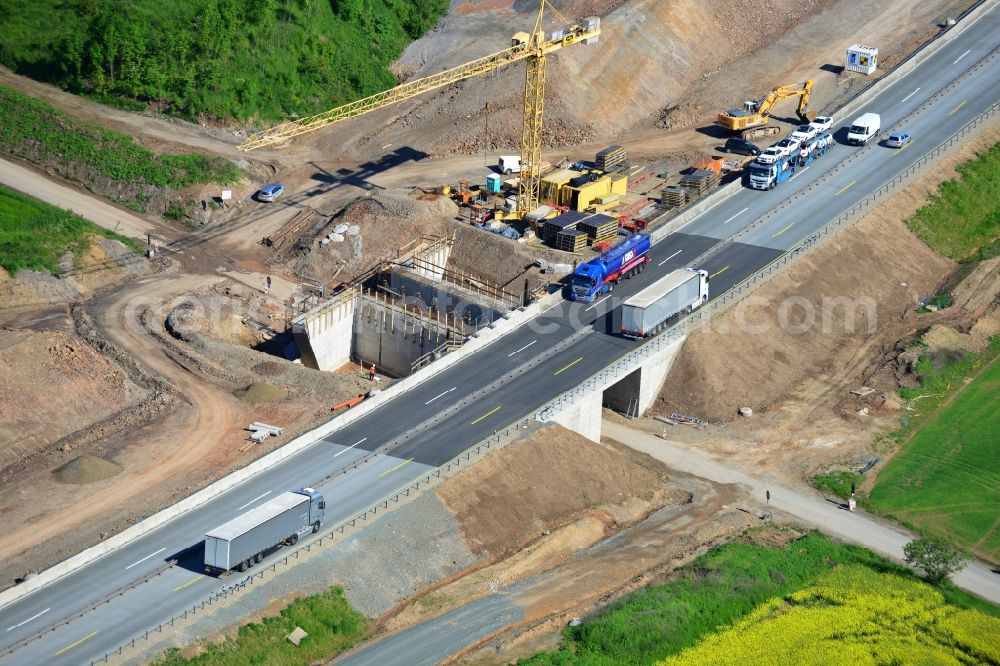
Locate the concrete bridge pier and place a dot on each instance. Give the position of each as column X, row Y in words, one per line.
column 629, row 387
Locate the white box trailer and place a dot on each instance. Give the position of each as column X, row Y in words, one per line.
column 679, row 291
column 244, row 540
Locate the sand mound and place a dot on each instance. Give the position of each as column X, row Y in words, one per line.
column 86, row 469
column 540, row 482
column 262, row 392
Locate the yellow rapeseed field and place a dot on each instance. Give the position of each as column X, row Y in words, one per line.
column 854, row 615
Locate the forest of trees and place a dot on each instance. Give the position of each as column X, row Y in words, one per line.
column 220, row 59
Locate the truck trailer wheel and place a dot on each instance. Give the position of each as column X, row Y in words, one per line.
column 316, row 527
column 259, row 558
column 243, row 566
column 294, row 539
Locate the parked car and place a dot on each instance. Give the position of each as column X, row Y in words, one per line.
column 270, row 192
column 822, row 123
column 788, row 146
column 898, row 139
column 804, row 132
column 770, row 155
column 742, row 147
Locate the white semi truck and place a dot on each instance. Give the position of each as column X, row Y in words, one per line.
column 679, row 291
column 244, row 540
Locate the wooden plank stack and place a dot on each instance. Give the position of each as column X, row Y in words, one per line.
column 598, row 228
column 571, row 240
column 612, row 158
column 700, row 181
column 675, row 195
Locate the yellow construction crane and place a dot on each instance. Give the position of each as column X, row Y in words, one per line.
column 751, row 121
column 532, row 47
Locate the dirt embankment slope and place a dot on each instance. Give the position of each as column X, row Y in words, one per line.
column 826, row 316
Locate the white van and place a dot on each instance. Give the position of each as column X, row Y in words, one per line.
column 510, row 164
column 864, row 128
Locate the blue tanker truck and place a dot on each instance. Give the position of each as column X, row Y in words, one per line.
column 600, row 275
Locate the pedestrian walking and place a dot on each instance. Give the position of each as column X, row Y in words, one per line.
column 267, row 288
column 371, row 372
column 767, row 494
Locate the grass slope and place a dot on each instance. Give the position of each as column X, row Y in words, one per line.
column 718, row 589
column 107, row 162
column 946, row 479
column 330, row 622
column 35, row 235
column 962, row 221
column 239, row 59
column 853, row 615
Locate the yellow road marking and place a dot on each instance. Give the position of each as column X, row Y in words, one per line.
column 960, row 105
column 492, row 411
column 73, row 645
column 719, row 272
column 567, row 367
column 402, row 464
column 904, row 147
column 775, row 235
column 845, row 187
column 193, row 580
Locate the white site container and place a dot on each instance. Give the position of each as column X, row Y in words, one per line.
column 860, row 58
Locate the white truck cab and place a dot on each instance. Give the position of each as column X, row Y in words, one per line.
column 864, row 128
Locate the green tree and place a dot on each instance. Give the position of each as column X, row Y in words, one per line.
column 937, row 557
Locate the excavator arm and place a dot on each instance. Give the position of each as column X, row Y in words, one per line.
column 766, row 105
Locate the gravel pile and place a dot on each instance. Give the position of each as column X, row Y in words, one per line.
column 86, row 469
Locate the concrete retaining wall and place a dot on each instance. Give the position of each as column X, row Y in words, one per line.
column 393, row 339
column 324, row 334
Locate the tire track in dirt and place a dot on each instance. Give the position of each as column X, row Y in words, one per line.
column 185, row 438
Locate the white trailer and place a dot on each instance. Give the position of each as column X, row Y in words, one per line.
column 244, row 540
column 679, row 291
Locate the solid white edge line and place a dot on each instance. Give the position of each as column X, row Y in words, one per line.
column 253, row 500
column 30, row 619
column 350, row 447
column 144, row 559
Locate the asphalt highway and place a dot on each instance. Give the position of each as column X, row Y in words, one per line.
column 505, row 381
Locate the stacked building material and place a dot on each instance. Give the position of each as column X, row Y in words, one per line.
column 700, row 181
column 556, row 225
column 571, row 240
column 612, row 158
column 675, row 195
column 599, row 227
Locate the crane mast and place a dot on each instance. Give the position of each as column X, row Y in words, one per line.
column 533, row 48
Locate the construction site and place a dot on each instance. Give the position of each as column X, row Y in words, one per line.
column 420, row 224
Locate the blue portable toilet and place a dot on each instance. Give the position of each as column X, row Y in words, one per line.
column 493, row 182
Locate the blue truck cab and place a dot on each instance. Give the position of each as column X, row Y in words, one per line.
column 601, row 274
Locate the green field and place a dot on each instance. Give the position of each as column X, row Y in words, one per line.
column 267, row 59
column 35, row 235
column 718, row 589
column 853, row 615
column 962, row 221
column 106, row 162
column 946, row 479
column 333, row 627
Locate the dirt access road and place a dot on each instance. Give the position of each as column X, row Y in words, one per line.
column 166, row 454
column 800, row 504
column 85, row 205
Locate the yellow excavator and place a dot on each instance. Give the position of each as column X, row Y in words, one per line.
column 751, row 120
